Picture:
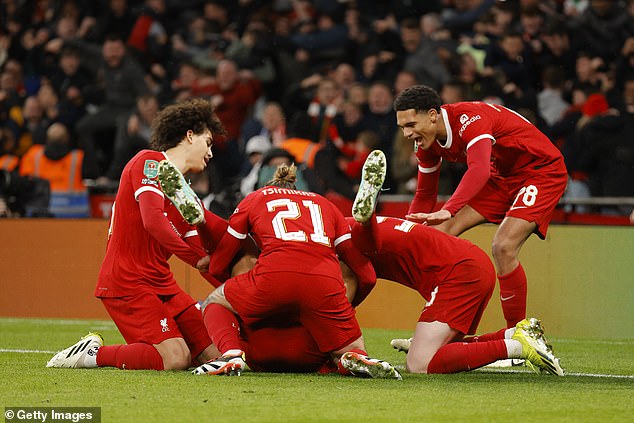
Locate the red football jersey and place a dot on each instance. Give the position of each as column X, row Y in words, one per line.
column 135, row 259
column 415, row 255
column 518, row 146
column 297, row 231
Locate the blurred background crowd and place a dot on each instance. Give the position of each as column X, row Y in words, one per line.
column 310, row 82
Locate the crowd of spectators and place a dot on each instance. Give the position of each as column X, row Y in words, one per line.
column 307, row 81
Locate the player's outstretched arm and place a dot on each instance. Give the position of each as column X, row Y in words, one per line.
column 475, row 178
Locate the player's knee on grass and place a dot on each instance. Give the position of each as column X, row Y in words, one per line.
column 357, row 344
column 416, row 364
column 175, row 354
column 428, row 339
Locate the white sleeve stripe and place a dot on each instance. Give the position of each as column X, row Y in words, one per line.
column 478, row 138
column 517, row 114
column 235, row 233
column 147, row 188
column 430, row 169
column 342, row 238
column 190, row 233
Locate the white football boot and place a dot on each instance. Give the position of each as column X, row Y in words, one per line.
column 176, row 188
column 82, row 355
column 372, row 178
column 401, row 344
column 363, row 366
column 229, row 364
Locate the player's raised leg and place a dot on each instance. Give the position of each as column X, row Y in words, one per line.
column 372, row 178
column 176, row 188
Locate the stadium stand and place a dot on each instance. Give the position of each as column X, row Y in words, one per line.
column 566, row 66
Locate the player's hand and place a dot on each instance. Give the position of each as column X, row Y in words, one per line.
column 434, row 218
column 417, row 217
column 203, row 265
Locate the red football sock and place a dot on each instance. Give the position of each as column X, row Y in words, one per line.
column 223, row 328
column 493, row 336
column 130, row 357
column 513, row 295
column 343, row 371
column 363, row 236
column 462, row 356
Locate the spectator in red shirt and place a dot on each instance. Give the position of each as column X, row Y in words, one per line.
column 232, row 94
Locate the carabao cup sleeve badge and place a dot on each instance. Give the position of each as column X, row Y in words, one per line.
column 150, row 169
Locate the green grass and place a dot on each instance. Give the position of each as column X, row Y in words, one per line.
column 478, row 396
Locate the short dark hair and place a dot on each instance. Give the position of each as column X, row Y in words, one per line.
column 69, row 50
column 418, row 97
column 172, row 123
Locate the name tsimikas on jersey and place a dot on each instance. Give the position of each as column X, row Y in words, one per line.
column 466, row 121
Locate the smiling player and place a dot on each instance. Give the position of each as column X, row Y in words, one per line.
column 161, row 324
column 515, row 177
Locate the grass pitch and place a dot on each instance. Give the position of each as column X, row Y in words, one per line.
column 599, row 386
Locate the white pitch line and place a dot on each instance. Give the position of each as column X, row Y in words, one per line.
column 56, row 321
column 485, row 369
column 498, row 370
column 488, row 369
column 600, row 375
column 593, row 341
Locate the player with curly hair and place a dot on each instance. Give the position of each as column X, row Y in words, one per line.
column 161, row 324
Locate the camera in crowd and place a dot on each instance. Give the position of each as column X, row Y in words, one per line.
column 23, row 195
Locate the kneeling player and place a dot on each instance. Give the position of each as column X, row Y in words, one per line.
column 297, row 275
column 454, row 275
column 161, row 324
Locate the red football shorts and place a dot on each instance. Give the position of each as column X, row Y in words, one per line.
column 531, row 196
column 461, row 299
column 151, row 319
column 319, row 302
column 282, row 345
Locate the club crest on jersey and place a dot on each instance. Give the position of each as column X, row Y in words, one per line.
column 150, row 169
column 164, row 327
